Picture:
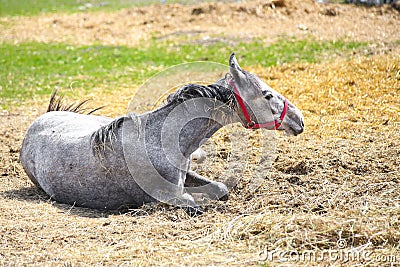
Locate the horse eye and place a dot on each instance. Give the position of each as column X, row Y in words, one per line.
column 267, row 95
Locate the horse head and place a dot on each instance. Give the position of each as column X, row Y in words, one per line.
column 259, row 105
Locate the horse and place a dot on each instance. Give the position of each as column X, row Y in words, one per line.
column 107, row 163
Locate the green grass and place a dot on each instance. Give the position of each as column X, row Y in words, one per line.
column 34, row 7
column 32, row 69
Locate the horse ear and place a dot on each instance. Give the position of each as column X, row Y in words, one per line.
column 233, row 62
column 235, row 69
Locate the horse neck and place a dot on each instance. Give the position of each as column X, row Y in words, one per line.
column 193, row 129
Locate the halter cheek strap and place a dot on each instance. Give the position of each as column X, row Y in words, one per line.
column 272, row 125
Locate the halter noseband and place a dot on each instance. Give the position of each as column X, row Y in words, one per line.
column 272, row 125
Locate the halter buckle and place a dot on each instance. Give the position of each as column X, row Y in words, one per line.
column 251, row 124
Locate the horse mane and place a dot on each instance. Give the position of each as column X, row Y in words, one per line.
column 103, row 137
column 100, row 137
column 57, row 103
column 213, row 91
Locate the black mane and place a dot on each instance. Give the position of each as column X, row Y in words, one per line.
column 57, row 104
column 103, row 137
column 212, row 91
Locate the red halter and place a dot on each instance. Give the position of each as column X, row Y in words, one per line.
column 272, row 125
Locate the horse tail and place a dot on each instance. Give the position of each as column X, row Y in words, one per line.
column 57, row 103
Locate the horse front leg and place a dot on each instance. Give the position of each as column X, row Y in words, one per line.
column 170, row 189
column 195, row 183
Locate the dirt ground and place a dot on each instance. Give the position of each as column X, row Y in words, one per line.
column 337, row 182
column 269, row 20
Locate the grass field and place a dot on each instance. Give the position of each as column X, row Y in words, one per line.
column 37, row 69
column 35, row 7
column 333, row 189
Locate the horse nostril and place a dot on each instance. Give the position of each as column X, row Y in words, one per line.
column 302, row 123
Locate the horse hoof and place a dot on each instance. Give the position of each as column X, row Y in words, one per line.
column 194, row 211
column 224, row 197
column 223, row 192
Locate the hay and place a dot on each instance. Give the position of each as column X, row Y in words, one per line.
column 338, row 180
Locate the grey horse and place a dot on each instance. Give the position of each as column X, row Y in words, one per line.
column 104, row 163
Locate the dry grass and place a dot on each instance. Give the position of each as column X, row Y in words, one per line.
column 339, row 180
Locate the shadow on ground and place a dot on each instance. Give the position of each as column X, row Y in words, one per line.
column 36, row 195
